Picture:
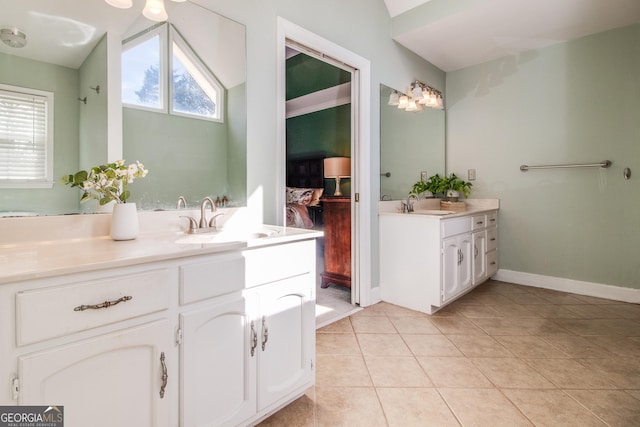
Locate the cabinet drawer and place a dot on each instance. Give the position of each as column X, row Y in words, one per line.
column 52, row 312
column 451, row 227
column 219, row 275
column 478, row 222
column 492, row 219
column 492, row 262
column 492, row 238
column 269, row 264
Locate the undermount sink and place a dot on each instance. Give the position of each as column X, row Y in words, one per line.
column 434, row 212
column 225, row 236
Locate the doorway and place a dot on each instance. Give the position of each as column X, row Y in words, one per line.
column 319, row 138
column 361, row 208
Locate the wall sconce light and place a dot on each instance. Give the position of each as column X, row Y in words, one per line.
column 418, row 96
column 153, row 9
column 337, row 167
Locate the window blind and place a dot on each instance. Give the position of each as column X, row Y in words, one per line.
column 24, row 136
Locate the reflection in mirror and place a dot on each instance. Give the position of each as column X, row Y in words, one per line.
column 410, row 143
column 188, row 154
column 67, row 53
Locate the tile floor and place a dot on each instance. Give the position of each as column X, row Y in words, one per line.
column 503, row 355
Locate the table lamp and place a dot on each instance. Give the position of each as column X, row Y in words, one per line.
column 337, row 167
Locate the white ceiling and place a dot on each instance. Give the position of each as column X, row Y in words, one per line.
column 483, row 30
column 64, row 32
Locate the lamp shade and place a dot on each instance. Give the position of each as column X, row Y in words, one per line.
column 337, row 167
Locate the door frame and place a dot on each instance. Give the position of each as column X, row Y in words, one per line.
column 360, row 146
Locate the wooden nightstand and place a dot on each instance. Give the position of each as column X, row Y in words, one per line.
column 337, row 241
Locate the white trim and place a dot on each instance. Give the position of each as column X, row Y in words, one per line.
column 598, row 290
column 361, row 158
column 320, row 100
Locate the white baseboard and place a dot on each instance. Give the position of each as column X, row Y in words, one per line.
column 598, row 290
column 374, row 297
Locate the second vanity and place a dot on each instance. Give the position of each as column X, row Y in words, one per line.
column 158, row 332
column 429, row 258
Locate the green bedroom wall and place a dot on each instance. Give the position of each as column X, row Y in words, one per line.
column 326, row 132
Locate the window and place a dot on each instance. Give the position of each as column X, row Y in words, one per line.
column 188, row 89
column 26, row 138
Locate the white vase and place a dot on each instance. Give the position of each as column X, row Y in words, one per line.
column 124, row 221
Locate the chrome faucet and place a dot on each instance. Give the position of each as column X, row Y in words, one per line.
column 203, row 216
column 204, row 226
column 408, row 206
column 182, row 202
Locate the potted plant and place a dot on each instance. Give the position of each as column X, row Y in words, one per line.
column 433, row 185
column 452, row 186
column 109, row 184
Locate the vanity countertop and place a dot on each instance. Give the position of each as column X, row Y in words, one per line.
column 422, row 206
column 29, row 260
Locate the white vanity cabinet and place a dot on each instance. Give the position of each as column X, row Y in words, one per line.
column 214, row 339
column 427, row 261
column 457, row 265
column 93, row 343
column 246, row 353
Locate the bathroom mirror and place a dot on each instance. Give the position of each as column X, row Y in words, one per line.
column 410, row 143
column 68, row 46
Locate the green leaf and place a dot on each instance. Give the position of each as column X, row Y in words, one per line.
column 80, row 177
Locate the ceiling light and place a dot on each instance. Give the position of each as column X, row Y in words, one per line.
column 120, row 4
column 13, row 37
column 155, row 11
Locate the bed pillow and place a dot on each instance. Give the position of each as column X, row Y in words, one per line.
column 304, row 196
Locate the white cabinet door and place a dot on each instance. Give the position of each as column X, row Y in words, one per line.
column 217, row 365
column 457, row 258
column 287, row 338
column 479, row 256
column 111, row 380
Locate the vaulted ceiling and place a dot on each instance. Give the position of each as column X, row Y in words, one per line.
column 454, row 34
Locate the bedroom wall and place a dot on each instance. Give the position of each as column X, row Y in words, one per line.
column 327, row 132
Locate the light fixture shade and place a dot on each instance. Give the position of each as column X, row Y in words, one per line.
column 155, row 11
column 412, row 106
column 416, row 92
column 120, row 4
column 403, row 102
column 337, row 166
column 394, row 98
column 179, row 1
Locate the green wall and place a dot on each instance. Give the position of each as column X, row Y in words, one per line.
column 171, row 146
column 63, row 82
column 575, row 102
column 306, row 74
column 326, row 132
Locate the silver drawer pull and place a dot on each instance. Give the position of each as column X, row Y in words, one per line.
column 493, row 239
column 265, row 333
column 493, row 263
column 480, row 222
column 105, row 304
column 254, row 338
column 492, row 220
column 165, row 377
